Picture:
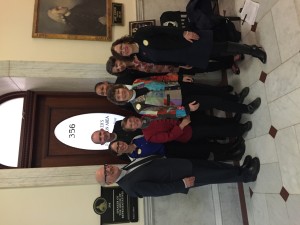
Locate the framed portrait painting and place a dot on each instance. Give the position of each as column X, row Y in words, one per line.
column 135, row 25
column 73, row 19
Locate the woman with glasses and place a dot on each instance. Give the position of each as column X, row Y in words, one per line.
column 201, row 149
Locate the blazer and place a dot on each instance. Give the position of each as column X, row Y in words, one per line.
column 164, row 176
column 157, row 178
column 167, row 46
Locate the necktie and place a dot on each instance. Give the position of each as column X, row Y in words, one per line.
column 140, row 162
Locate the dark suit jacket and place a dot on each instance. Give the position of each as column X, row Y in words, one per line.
column 157, row 178
column 164, row 176
column 166, row 45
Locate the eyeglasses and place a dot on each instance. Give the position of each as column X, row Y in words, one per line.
column 105, row 173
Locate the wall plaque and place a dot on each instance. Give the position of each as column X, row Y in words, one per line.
column 115, row 206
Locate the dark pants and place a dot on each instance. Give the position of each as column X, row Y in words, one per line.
column 216, row 131
column 210, row 172
column 215, row 64
column 188, row 89
column 216, row 102
column 219, row 49
column 199, row 149
column 210, row 97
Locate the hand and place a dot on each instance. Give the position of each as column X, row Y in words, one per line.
column 187, row 79
column 190, row 36
column 189, row 182
column 185, row 121
column 102, row 20
column 194, row 106
column 186, row 67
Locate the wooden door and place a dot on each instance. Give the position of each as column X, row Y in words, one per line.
column 50, row 110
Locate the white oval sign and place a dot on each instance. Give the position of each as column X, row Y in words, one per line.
column 76, row 131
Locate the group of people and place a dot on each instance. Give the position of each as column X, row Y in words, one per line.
column 171, row 137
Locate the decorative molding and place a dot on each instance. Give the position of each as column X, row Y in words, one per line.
column 56, row 69
column 45, row 177
column 217, row 204
column 4, row 68
column 51, row 76
column 139, row 9
column 28, row 117
column 148, row 211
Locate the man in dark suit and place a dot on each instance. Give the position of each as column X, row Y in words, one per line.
column 161, row 176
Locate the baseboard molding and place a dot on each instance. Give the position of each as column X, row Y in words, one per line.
column 148, row 211
column 217, row 205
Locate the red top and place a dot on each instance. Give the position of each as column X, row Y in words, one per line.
column 166, row 130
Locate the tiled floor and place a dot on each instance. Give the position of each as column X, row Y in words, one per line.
column 275, row 138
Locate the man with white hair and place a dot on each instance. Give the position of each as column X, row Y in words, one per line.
column 153, row 176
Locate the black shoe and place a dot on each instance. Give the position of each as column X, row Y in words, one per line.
column 247, row 126
column 243, row 94
column 259, row 53
column 237, row 117
column 250, row 173
column 247, row 162
column 254, row 105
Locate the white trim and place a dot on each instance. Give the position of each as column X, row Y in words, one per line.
column 217, row 204
column 148, row 211
column 46, row 177
column 139, row 9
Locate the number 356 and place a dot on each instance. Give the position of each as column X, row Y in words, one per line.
column 72, row 131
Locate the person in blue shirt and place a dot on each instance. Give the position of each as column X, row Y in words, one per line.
column 139, row 148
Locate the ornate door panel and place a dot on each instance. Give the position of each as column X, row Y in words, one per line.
column 50, row 110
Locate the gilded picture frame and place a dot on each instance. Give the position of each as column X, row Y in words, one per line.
column 73, row 19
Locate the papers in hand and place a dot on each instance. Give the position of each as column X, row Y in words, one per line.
column 249, row 12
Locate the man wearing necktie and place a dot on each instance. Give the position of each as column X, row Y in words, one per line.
column 162, row 176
